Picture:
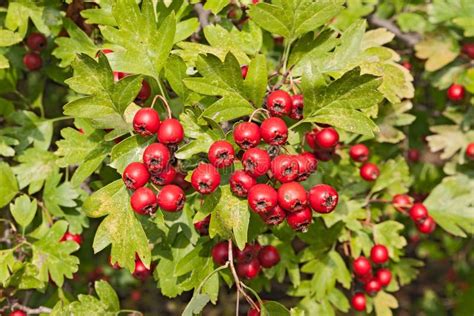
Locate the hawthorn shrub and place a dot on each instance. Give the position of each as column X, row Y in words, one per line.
column 252, row 157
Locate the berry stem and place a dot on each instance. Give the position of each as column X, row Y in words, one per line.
column 257, row 111
column 165, row 103
column 36, row 311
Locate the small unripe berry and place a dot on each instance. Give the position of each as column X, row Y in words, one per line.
column 256, row 162
column 327, row 138
column 361, row 266
column 262, row 198
column 32, row 61
column 297, row 107
column 279, row 103
column 135, row 175
column 456, row 92
column 369, row 171
column 384, row 276
column 249, row 270
column 418, row 212
column 285, row 168
column 426, row 226
column 146, row 122
column 379, row 254
column 171, row 198
column 36, row 41
column 220, row 253
column 144, row 201
column 359, row 153
column 292, row 196
column 268, row 256
column 274, row 131
column 323, row 198
column 205, row 178
column 221, row 154
column 359, row 302
column 300, row 220
column 170, row 132
column 247, row 135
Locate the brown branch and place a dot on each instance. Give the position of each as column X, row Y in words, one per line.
column 35, row 311
column 410, row 39
column 203, row 15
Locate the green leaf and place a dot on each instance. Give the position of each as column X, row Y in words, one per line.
column 113, row 201
column 23, row 210
column 215, row 6
column 438, row 49
column 446, row 138
column 394, row 176
column 185, row 29
column 384, row 303
column 107, row 295
column 9, row 187
column 196, row 304
column 31, row 129
column 390, row 116
column 274, row 308
column 175, row 72
column 128, row 150
column 102, row 15
column 9, row 38
column 4, row 62
column 406, row 270
column 227, row 109
column 388, row 234
column 7, row 261
column 56, row 195
column 255, row 83
column 18, row 16
column 35, row 167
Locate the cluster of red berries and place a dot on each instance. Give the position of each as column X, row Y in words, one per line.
column 368, row 171
column 35, row 42
column 371, row 283
column 249, row 261
column 417, row 212
column 323, row 142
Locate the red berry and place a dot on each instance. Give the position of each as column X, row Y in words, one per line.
column 358, row 302
column 255, row 1
column 221, row 154
column 253, row 311
column 262, row 198
column 144, row 92
column 402, row 202
column 220, row 253
column 170, row 132
column 141, row 271
column 470, row 151
column 180, row 180
column 247, row 254
column 279, row 103
column 144, row 201
column 379, row 254
column 36, row 41
column 202, row 227
column 275, row 216
column 136, row 295
column 323, row 154
column 427, row 226
column 249, row 270
column 361, row 266
column 456, row 92
column 407, row 65
column 384, row 276
column 292, row 196
column 369, row 171
column 285, row 168
column 17, row 312
column 372, row 287
column 256, row 162
column 274, row 131
column 135, row 175
column 323, row 198
column 156, row 157
column 297, row 107
column 205, row 178
column 310, row 138
column 171, row 198
column 413, row 155
column 468, row 49
column 77, row 238
column 359, row 153
column 241, row 182
column 300, row 220
column 418, row 212
column 146, row 122
column 32, row 61
column 164, row 177
column 247, row 135
column 307, row 164
column 115, row 265
column 326, row 138
column 268, row 256
column 119, row 75
column 244, row 69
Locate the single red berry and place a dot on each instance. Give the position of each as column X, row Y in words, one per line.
column 156, row 157
column 220, row 253
column 274, row 217
column 379, row 254
column 205, row 178
column 247, row 135
column 256, row 162
column 470, row 151
column 202, row 227
column 17, row 312
column 285, row 168
column 279, row 103
column 253, row 311
column 268, row 256
column 180, row 180
column 262, row 198
column 307, row 164
column 468, row 49
column 372, row 287
column 292, row 196
column 141, row 271
column 244, row 69
column 32, row 61
column 249, row 270
column 36, row 41
column 136, row 295
column 171, row 198
column 119, row 75
column 323, row 198
column 274, row 131
column 326, row 138
column 418, row 212
column 359, row 153
column 361, row 266
column 221, row 154
column 456, row 92
column 358, row 302
column 408, row 66
column 426, row 226
column 413, row 155
column 164, row 177
column 323, row 154
column 300, row 220
column 402, row 202
column 297, row 107
column 384, row 276
column 170, row 132
column 135, row 175
column 105, row 51
column 369, row 171
column 144, row 201
column 247, row 254
column 146, row 122
column 145, row 91
column 115, row 265
column 310, row 138
column 77, row 238
column 241, row 182
column 255, row 1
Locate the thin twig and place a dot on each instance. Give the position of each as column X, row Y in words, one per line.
column 35, row 311
column 411, row 39
column 203, row 15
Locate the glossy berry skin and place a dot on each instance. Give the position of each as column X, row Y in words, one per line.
column 146, row 122
column 359, row 153
column 274, row 131
column 296, row 112
column 156, row 157
column 145, row 92
column 135, row 175
column 36, row 41
column 307, row 164
column 402, row 202
column 468, row 49
column 470, row 151
column 268, row 256
column 141, row 271
column 171, row 198
column 275, row 216
column 32, row 61
column 170, row 132
column 262, row 198
column 323, row 198
column 221, row 154
column 427, row 226
column 369, row 172
column 300, row 220
column 241, row 182
column 220, row 253
column 292, row 196
column 456, row 92
column 77, row 238
column 144, row 201
column 249, row 270
column 326, row 138
column 384, row 276
column 247, row 135
column 202, row 227
column 256, row 162
column 17, row 312
column 205, row 178
column 247, row 254
column 279, row 103
column 253, row 311
column 361, row 266
column 418, row 212
column 379, row 254
column 164, row 177
column 310, row 138
column 358, row 302
column 244, row 69
column 372, row 287
column 285, row 168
